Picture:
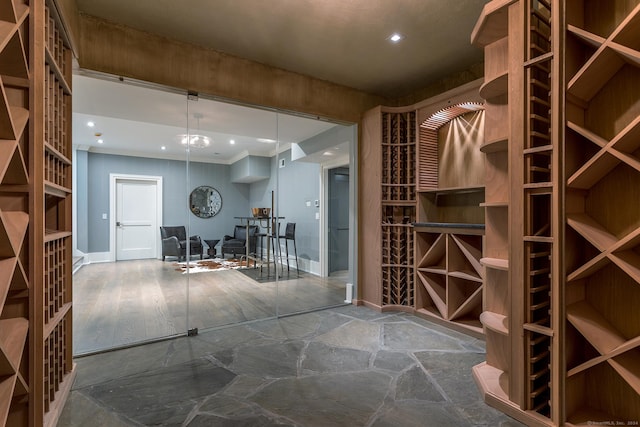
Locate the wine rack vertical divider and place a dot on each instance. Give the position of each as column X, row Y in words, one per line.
column 398, row 182
column 52, row 370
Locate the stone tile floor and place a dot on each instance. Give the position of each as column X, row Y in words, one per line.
column 347, row 366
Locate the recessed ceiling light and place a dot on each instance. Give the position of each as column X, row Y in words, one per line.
column 327, row 153
column 395, row 37
column 232, row 141
column 100, row 141
column 91, row 124
column 163, row 148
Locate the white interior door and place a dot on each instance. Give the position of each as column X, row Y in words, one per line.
column 136, row 219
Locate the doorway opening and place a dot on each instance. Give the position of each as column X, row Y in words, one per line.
column 338, row 221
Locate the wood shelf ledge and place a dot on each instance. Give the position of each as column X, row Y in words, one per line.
column 496, row 145
column 495, row 263
column 494, row 205
column 493, row 23
column 495, row 87
column 495, row 322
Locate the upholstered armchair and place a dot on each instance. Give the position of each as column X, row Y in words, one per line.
column 174, row 242
column 237, row 244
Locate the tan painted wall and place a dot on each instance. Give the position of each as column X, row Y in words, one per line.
column 115, row 49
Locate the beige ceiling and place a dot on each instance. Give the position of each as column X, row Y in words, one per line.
column 342, row 41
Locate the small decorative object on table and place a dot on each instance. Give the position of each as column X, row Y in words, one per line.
column 260, row 212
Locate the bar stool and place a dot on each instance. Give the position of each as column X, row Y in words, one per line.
column 290, row 234
column 272, row 240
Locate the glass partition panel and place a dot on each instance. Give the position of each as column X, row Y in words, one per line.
column 130, row 213
column 231, row 186
column 191, row 213
column 314, row 204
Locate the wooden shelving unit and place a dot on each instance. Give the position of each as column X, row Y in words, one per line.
column 561, row 293
column 398, row 185
column 35, row 213
column 56, row 190
column 403, row 182
column 491, row 33
column 449, row 274
column 450, row 227
column 15, row 283
column 602, row 272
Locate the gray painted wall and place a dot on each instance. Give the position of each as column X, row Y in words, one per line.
column 81, row 194
column 235, row 197
column 298, row 183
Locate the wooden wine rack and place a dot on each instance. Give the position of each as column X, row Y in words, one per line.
column 35, row 213
column 539, row 240
column 602, row 181
column 572, row 99
column 406, row 186
column 398, row 183
column 15, row 283
column 450, row 274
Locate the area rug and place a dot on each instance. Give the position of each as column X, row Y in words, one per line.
column 208, row 265
column 262, row 277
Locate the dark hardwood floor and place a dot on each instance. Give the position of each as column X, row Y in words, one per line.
column 126, row 302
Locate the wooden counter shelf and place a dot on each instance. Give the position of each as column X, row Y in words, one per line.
column 449, row 227
column 452, row 190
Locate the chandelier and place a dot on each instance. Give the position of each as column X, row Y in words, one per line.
column 195, row 140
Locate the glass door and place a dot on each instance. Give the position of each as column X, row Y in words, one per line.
column 231, row 189
column 130, row 181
